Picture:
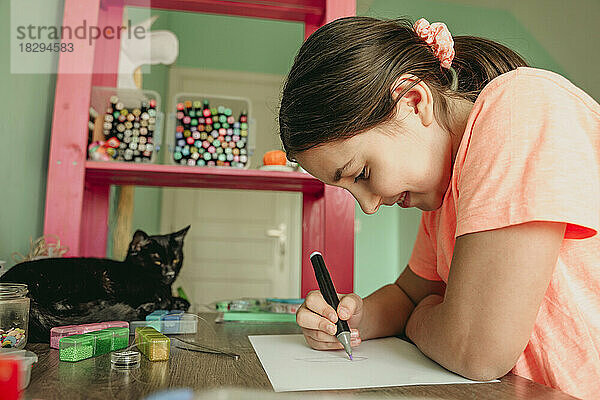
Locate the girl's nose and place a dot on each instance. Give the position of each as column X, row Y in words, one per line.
column 368, row 202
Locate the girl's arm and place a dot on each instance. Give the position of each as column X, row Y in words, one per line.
column 386, row 310
column 497, row 282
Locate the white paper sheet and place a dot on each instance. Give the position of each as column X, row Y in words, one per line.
column 292, row 365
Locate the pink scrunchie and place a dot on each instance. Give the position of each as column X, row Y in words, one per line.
column 439, row 38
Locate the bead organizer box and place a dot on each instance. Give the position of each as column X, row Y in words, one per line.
column 80, row 347
column 206, row 132
column 172, row 322
column 59, row 332
column 76, row 347
column 153, row 344
column 120, row 338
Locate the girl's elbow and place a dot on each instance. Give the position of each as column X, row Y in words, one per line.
column 483, row 373
column 484, row 366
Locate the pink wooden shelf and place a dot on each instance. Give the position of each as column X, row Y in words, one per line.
column 78, row 191
column 311, row 11
column 120, row 173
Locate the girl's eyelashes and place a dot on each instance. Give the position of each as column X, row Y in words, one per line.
column 362, row 175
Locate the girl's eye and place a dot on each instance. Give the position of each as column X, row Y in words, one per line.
column 362, row 175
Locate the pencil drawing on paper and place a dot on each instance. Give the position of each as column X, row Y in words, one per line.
column 329, row 358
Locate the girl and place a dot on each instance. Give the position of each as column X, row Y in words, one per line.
column 503, row 160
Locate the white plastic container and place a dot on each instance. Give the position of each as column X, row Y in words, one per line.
column 144, row 130
column 237, row 105
column 27, row 359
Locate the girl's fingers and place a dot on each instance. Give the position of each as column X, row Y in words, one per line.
column 350, row 305
column 321, row 336
column 316, row 303
column 318, row 345
column 308, row 319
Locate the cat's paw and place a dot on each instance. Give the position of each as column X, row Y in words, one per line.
column 145, row 309
column 180, row 304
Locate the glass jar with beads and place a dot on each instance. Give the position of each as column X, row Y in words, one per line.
column 14, row 315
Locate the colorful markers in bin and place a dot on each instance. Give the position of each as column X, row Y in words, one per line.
column 153, row 344
column 129, row 131
column 206, row 136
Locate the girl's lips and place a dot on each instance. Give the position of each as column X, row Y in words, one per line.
column 404, row 200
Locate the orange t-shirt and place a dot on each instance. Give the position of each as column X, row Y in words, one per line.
column 530, row 152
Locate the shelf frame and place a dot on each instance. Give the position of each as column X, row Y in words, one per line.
column 77, row 191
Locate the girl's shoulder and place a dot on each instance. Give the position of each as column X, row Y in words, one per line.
column 546, row 86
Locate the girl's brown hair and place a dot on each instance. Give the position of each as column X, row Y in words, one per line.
column 340, row 82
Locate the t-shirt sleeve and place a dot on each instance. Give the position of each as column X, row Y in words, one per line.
column 423, row 259
column 530, row 157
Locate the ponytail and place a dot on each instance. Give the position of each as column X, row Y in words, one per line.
column 478, row 61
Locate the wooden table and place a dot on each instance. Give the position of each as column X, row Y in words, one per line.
column 94, row 379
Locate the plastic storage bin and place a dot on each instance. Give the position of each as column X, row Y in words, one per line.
column 76, row 347
column 14, row 315
column 153, row 344
column 79, row 347
column 180, row 324
column 196, row 138
column 58, row 332
column 120, row 337
column 26, row 359
column 131, row 124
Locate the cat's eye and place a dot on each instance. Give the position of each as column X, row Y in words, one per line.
column 175, row 261
column 157, row 262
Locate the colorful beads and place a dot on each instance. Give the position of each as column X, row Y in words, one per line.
column 12, row 338
column 79, row 347
column 153, row 344
column 120, row 338
column 76, row 347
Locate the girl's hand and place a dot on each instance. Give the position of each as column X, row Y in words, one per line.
column 317, row 320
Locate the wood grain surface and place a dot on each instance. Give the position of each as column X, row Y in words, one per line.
column 94, row 379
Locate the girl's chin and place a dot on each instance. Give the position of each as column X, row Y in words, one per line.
column 431, row 205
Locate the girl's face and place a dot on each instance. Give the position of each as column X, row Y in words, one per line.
column 408, row 163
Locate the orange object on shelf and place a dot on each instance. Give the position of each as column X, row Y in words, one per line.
column 274, row 157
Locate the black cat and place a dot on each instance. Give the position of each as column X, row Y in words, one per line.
column 70, row 291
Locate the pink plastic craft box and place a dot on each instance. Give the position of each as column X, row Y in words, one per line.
column 59, row 332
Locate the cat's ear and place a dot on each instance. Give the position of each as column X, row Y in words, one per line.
column 140, row 239
column 179, row 235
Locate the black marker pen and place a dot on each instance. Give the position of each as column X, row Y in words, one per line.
column 330, row 296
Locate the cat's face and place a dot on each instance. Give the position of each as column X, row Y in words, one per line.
column 164, row 253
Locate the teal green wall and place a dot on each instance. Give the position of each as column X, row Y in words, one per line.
column 25, row 120
column 495, row 24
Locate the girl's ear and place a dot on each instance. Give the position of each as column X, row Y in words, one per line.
column 417, row 100
column 140, row 239
column 179, row 235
